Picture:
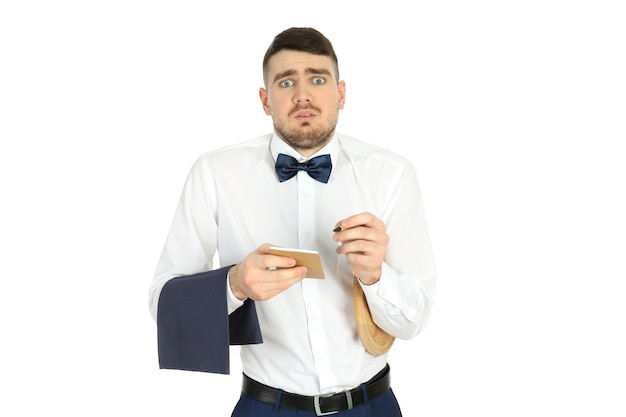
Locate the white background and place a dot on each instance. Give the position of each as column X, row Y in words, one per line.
column 512, row 112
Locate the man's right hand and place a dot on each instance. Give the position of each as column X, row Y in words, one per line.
column 261, row 275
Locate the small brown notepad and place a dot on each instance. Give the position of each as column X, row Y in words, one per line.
column 309, row 258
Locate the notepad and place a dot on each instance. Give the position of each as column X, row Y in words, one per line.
column 309, row 258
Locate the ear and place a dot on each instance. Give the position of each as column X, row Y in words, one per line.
column 265, row 101
column 341, row 88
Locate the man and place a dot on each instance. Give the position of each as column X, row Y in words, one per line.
column 302, row 351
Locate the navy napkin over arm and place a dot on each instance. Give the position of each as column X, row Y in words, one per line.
column 194, row 330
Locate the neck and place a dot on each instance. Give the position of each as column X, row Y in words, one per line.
column 311, row 148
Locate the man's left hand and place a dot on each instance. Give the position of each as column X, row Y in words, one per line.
column 364, row 242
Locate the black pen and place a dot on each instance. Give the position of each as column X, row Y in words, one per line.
column 338, row 229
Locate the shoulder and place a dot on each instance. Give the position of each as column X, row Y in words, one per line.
column 246, row 152
column 383, row 171
column 363, row 153
column 249, row 154
column 251, row 147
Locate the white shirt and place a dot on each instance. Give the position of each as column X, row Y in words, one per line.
column 232, row 202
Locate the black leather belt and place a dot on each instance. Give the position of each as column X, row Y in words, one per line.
column 321, row 405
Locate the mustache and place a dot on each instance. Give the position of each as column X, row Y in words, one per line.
column 304, row 107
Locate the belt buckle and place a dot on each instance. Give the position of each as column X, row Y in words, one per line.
column 318, row 410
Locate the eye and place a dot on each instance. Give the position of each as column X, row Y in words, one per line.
column 318, row 80
column 286, row 83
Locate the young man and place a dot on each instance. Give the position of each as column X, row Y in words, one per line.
column 304, row 186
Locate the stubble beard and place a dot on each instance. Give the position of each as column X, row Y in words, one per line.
column 303, row 138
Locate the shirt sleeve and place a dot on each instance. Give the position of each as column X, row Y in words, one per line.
column 188, row 299
column 401, row 301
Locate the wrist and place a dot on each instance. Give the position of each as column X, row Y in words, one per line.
column 233, row 282
column 369, row 279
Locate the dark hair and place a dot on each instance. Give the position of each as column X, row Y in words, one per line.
column 303, row 40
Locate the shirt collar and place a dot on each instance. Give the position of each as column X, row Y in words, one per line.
column 277, row 145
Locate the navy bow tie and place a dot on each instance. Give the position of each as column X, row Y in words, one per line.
column 318, row 168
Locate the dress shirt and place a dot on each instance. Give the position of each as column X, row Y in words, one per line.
column 232, row 202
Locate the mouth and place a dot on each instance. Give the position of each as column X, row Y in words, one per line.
column 305, row 115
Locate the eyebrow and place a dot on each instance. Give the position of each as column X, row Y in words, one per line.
column 306, row 71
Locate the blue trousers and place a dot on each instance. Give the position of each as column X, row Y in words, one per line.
column 385, row 405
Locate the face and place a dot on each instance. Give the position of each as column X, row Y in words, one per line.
column 303, row 97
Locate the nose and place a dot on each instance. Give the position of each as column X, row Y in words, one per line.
column 302, row 94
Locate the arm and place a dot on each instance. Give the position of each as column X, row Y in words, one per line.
column 187, row 298
column 393, row 260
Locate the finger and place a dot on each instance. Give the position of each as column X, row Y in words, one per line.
column 360, row 233
column 362, row 247
column 280, row 280
column 291, row 275
column 354, row 233
column 277, row 262
column 265, row 260
column 365, row 219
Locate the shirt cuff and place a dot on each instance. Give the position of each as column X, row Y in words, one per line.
column 382, row 293
column 370, row 290
column 232, row 302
